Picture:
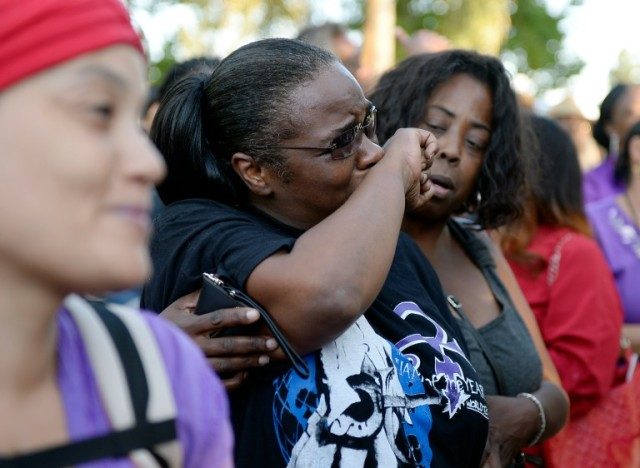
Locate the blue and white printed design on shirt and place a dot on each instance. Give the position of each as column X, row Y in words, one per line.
column 364, row 404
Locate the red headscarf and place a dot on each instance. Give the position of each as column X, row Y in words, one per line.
column 37, row 34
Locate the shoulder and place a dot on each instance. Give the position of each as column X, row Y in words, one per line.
column 601, row 206
column 580, row 254
column 199, row 209
column 601, row 173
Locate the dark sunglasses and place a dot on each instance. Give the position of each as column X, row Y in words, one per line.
column 345, row 144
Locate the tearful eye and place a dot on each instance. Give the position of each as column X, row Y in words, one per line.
column 476, row 146
column 435, row 129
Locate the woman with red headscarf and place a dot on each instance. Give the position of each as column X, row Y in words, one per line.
column 84, row 382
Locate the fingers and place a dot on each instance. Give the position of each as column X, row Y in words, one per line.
column 189, row 301
column 278, row 355
column 431, row 148
column 427, row 189
column 221, row 319
column 233, row 382
column 227, row 365
column 181, row 307
column 236, row 345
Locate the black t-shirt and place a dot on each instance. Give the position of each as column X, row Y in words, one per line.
column 395, row 389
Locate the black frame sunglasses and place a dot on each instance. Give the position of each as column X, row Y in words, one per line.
column 340, row 146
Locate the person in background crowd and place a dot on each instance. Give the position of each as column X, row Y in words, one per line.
column 297, row 202
column 616, row 225
column 466, row 100
column 619, row 110
column 334, row 38
column 563, row 274
column 71, row 91
column 572, row 120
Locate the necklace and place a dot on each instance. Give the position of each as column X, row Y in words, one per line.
column 634, row 213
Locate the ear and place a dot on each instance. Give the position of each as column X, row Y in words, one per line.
column 634, row 150
column 252, row 173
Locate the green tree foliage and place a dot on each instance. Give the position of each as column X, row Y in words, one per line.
column 250, row 18
column 523, row 31
column 473, row 24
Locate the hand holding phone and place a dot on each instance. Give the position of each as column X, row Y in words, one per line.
column 216, row 294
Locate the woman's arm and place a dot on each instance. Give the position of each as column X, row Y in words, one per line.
column 336, row 269
column 514, row 422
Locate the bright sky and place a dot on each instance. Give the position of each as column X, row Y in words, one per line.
column 596, row 32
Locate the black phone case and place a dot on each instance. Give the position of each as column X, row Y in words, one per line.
column 213, row 297
column 216, row 295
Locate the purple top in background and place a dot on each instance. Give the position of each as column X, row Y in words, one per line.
column 619, row 239
column 203, row 414
column 600, row 182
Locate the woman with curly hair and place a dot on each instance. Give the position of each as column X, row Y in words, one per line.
column 276, row 184
column 466, row 100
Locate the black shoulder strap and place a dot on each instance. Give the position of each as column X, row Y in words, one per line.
column 112, row 445
column 478, row 251
column 129, row 357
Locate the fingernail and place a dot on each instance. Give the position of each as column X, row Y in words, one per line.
column 271, row 343
column 262, row 360
column 252, row 314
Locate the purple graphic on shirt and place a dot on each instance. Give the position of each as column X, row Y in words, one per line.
column 444, row 367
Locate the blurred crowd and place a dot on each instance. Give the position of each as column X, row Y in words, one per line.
column 335, row 269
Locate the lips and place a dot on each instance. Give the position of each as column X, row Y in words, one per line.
column 442, row 181
column 442, row 185
column 138, row 215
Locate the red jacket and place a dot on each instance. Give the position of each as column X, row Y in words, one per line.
column 578, row 311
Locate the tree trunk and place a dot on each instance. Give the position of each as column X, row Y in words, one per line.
column 378, row 51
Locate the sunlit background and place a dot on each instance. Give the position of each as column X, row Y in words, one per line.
column 551, row 47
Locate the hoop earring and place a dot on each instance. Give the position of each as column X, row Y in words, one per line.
column 472, row 207
column 614, row 144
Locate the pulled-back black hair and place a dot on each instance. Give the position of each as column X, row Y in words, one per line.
column 607, row 107
column 623, row 164
column 242, row 106
column 181, row 69
column 401, row 97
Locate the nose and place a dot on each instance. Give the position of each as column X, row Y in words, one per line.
column 449, row 147
column 143, row 161
column 369, row 154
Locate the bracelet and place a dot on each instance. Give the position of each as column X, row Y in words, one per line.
column 543, row 419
